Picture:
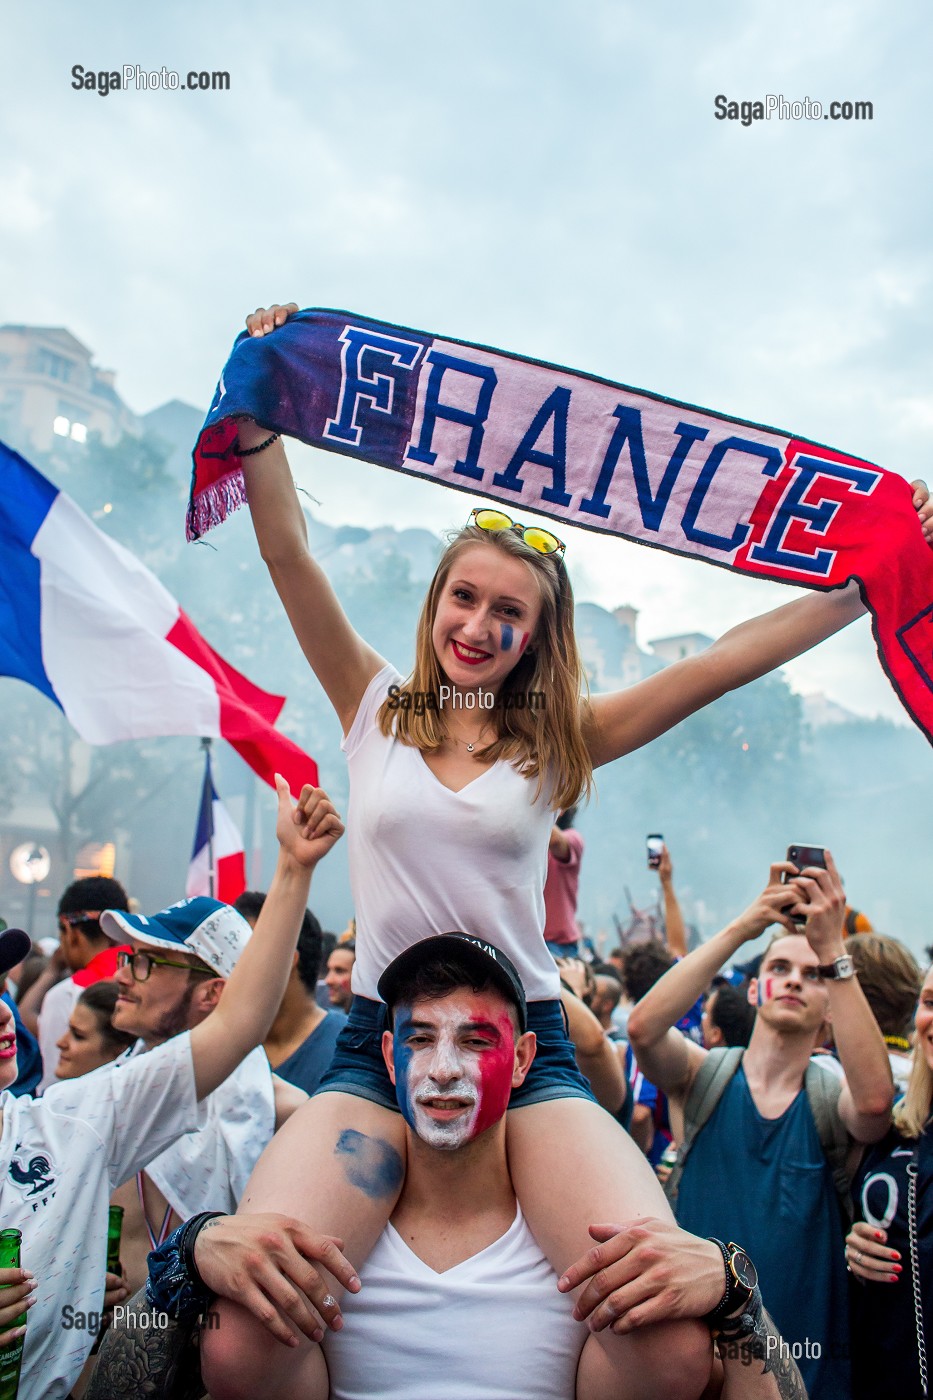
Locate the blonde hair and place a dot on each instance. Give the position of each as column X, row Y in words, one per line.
column 889, row 976
column 912, row 1114
column 544, row 743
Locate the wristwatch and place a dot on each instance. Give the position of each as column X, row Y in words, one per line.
column 839, row 970
column 741, row 1282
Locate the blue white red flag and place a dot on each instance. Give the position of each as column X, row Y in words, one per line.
column 218, row 861
column 88, row 625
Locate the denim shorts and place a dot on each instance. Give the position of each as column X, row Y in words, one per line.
column 358, row 1067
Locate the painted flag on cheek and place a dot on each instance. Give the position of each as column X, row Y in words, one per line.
column 87, row 624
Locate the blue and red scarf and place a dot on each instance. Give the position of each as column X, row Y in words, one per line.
column 589, row 452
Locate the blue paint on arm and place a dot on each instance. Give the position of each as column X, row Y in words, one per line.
column 506, row 636
column 370, row 1163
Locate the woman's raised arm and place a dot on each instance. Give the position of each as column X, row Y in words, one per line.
column 625, row 720
column 619, row 723
column 342, row 661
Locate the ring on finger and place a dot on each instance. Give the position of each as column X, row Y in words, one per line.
column 329, row 1301
column 857, row 1256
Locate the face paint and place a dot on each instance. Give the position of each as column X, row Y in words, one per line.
column 454, row 1060
column 524, row 642
column 767, row 985
column 507, row 636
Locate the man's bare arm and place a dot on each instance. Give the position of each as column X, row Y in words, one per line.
column 868, row 1093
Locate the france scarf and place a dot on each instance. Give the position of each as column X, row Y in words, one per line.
column 586, row 451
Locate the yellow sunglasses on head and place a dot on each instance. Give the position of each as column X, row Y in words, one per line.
column 495, row 521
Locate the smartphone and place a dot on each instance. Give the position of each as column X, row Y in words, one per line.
column 655, row 843
column 802, row 856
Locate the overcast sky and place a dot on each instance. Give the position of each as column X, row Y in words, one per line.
column 549, row 177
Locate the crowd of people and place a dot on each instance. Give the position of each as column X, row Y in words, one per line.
column 428, row 1157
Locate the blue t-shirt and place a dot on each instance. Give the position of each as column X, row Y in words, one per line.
column 306, row 1066
column 28, row 1057
column 765, row 1183
column 884, row 1331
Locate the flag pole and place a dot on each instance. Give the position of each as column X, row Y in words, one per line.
column 209, row 785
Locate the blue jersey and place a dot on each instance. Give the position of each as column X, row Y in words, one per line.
column 306, row 1066
column 884, row 1333
column 765, row 1183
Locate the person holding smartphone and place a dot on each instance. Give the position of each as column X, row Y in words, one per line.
column 757, row 1167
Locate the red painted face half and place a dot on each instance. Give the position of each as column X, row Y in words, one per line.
column 454, row 1063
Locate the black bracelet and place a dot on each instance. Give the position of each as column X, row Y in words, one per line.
column 189, row 1239
column 261, row 447
column 736, row 1329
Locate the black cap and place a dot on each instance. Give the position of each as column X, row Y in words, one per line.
column 14, row 945
column 489, row 964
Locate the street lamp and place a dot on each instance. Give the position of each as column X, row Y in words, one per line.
column 30, row 865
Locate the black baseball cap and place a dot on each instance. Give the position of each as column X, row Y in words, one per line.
column 14, row 945
column 474, row 954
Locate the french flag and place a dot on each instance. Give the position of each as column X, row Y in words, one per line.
column 85, row 622
column 218, row 861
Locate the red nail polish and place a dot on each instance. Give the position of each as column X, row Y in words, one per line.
column 879, row 1235
column 896, row 1268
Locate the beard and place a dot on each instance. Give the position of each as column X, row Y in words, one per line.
column 169, row 1023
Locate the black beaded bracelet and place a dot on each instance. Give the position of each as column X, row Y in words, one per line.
column 260, row 447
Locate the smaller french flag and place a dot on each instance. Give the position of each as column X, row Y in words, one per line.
column 218, row 861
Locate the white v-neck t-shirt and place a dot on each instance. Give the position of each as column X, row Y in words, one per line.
column 491, row 1328
column 426, row 860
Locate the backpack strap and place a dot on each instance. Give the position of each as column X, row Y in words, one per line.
column 707, row 1089
column 823, row 1090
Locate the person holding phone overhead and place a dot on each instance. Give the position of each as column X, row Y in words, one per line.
column 764, row 1160
column 452, row 803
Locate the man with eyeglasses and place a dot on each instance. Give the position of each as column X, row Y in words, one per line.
column 62, row 1155
column 88, row 955
column 171, row 970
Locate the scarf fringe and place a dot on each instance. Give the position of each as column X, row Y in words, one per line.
column 211, row 505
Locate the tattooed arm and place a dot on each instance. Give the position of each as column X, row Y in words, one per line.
column 146, row 1362
column 759, row 1366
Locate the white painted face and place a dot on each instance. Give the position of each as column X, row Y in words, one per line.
column 454, row 1059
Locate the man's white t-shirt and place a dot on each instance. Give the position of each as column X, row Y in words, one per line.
column 426, row 860
column 61, row 1157
column 54, row 1015
column 491, row 1328
column 209, row 1169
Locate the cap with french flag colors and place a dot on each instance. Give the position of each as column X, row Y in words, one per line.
column 88, row 625
column 204, row 927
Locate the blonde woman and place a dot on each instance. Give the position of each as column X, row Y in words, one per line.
column 456, row 774
column 890, row 1247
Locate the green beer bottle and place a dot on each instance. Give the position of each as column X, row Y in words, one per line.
column 114, row 1230
column 11, row 1355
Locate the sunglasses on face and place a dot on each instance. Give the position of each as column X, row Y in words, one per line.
column 141, row 964
column 495, row 521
